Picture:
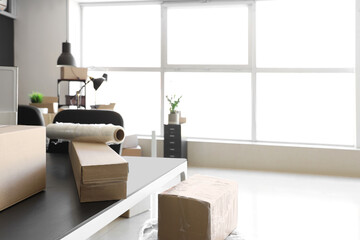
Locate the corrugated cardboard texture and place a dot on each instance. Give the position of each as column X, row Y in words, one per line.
column 200, row 208
column 136, row 151
column 100, row 174
column 73, row 73
column 52, row 107
column 22, row 163
column 48, row 99
column 103, row 192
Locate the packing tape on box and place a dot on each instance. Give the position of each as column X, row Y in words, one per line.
column 103, row 133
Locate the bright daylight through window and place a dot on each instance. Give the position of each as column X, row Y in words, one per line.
column 270, row 71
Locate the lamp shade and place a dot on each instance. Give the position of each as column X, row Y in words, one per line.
column 66, row 59
column 98, row 81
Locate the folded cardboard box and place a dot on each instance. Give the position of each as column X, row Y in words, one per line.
column 73, row 73
column 100, row 173
column 52, row 107
column 49, row 99
column 22, row 163
column 48, row 118
column 200, row 208
column 134, row 151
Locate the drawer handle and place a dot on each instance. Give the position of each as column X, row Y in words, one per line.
column 172, row 149
column 172, row 155
column 172, row 128
column 172, row 135
column 172, row 142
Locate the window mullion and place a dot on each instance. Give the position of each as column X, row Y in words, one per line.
column 252, row 63
column 163, row 63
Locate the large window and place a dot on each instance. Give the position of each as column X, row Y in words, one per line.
column 305, row 33
column 216, row 104
column 137, row 98
column 121, row 36
column 208, row 35
column 270, row 71
column 306, row 108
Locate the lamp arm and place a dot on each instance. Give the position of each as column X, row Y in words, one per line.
column 78, row 92
column 77, row 95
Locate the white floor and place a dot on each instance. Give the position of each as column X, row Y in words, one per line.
column 275, row 206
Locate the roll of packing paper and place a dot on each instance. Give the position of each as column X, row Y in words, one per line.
column 103, row 133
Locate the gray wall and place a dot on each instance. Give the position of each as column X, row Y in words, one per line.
column 40, row 28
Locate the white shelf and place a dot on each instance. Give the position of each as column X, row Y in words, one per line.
column 10, row 15
column 11, row 6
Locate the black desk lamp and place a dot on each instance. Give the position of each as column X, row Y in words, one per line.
column 96, row 82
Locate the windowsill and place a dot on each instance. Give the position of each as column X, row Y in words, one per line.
column 260, row 143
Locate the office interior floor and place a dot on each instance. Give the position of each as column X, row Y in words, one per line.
column 277, row 206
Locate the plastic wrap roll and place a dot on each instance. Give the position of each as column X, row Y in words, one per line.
column 104, row 133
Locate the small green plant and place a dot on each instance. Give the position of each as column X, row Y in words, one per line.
column 174, row 102
column 36, row 97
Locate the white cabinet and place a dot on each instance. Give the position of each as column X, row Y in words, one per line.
column 8, row 95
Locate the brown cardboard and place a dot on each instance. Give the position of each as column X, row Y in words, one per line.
column 100, row 173
column 22, row 163
column 48, row 99
column 110, row 106
column 200, row 208
column 52, row 107
column 73, row 73
column 48, row 118
column 136, row 151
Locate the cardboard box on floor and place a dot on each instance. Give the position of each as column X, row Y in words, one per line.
column 100, row 173
column 22, row 163
column 135, row 151
column 200, row 208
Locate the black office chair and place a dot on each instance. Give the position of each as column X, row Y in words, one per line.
column 30, row 115
column 85, row 117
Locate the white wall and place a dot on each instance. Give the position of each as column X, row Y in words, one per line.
column 40, row 29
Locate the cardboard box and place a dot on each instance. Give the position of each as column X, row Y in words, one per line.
column 130, row 141
column 47, row 99
column 136, row 151
column 52, row 107
column 48, row 118
column 110, row 106
column 200, row 208
column 100, row 173
column 22, row 163
column 73, row 73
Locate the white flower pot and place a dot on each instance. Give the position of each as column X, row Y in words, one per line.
column 174, row 118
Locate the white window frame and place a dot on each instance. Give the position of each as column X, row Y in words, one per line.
column 249, row 68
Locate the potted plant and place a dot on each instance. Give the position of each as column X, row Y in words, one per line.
column 36, row 99
column 174, row 116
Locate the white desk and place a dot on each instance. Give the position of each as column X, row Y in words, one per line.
column 57, row 213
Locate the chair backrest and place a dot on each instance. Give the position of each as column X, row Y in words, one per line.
column 90, row 117
column 30, row 115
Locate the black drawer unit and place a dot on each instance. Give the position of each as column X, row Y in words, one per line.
column 174, row 145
